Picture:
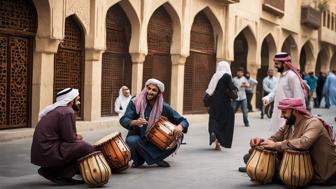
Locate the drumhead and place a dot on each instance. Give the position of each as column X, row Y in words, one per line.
column 297, row 152
column 258, row 148
column 89, row 155
column 107, row 138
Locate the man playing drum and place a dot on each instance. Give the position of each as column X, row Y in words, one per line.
column 142, row 112
column 56, row 146
column 302, row 131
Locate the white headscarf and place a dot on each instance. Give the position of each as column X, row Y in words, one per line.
column 156, row 82
column 124, row 100
column 62, row 99
column 223, row 67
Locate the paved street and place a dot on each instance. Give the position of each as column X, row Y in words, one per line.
column 195, row 165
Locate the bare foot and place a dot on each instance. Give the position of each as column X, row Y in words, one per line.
column 217, row 147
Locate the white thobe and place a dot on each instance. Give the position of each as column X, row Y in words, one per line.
column 288, row 86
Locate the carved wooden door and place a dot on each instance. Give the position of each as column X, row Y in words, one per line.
column 200, row 65
column 116, row 64
column 18, row 25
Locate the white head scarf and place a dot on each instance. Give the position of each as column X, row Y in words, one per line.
column 62, row 99
column 223, row 67
column 156, row 82
column 124, row 100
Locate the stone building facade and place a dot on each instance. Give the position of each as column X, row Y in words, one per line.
column 99, row 45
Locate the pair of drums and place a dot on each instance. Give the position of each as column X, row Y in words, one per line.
column 113, row 155
column 295, row 170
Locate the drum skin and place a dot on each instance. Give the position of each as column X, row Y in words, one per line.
column 296, row 169
column 115, row 150
column 161, row 134
column 261, row 166
column 94, row 169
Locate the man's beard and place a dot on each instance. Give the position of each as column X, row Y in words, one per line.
column 291, row 120
column 281, row 69
column 75, row 106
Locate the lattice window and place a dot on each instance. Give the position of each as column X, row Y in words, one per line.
column 68, row 67
column 116, row 63
column 200, row 65
column 18, row 15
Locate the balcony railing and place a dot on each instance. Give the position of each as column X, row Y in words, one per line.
column 310, row 17
column 229, row 1
column 275, row 7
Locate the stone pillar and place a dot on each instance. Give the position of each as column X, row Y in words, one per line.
column 137, row 72
column 43, row 75
column 177, row 82
column 92, row 84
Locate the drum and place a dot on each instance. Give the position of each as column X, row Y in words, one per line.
column 161, row 134
column 94, row 169
column 261, row 165
column 296, row 169
column 115, row 151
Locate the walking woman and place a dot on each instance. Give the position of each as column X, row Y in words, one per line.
column 221, row 115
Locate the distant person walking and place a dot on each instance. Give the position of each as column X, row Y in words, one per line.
column 249, row 90
column 221, row 115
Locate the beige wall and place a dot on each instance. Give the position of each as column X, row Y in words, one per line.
column 228, row 20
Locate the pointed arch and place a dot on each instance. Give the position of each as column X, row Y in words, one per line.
column 322, row 60
column 69, row 59
column 307, row 60
column 290, row 46
column 332, row 66
column 44, row 18
column 245, row 45
column 134, row 19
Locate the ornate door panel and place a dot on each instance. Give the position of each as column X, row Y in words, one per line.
column 69, row 60
column 14, row 82
column 158, row 61
column 18, row 25
column 200, row 65
column 116, row 64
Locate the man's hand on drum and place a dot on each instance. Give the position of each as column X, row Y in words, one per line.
column 268, row 144
column 178, row 131
column 256, row 142
column 139, row 122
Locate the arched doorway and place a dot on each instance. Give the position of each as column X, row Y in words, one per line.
column 306, row 58
column 290, row 47
column 158, row 60
column 240, row 53
column 69, row 60
column 116, row 63
column 200, row 65
column 321, row 61
column 332, row 66
column 18, row 27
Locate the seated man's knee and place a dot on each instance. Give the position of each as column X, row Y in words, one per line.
column 133, row 141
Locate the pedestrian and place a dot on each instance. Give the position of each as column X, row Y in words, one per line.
column 241, row 84
column 56, row 146
column 269, row 82
column 221, row 115
column 303, row 132
column 142, row 112
column 122, row 101
column 330, row 89
column 319, row 89
column 289, row 85
column 311, row 81
column 249, row 90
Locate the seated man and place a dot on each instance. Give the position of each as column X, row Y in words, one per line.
column 304, row 132
column 142, row 112
column 56, row 146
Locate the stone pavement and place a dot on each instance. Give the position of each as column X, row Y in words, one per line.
column 195, row 165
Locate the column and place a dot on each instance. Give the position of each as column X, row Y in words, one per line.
column 137, row 72
column 43, row 75
column 177, row 82
column 92, row 84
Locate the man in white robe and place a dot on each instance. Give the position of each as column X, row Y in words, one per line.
column 290, row 85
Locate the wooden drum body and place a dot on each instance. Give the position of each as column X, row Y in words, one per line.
column 261, row 166
column 161, row 134
column 115, row 151
column 296, row 169
column 94, row 169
